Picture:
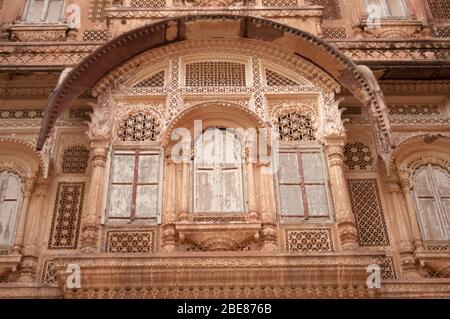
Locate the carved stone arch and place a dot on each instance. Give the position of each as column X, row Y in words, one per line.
column 296, row 42
column 20, row 157
column 123, row 112
column 421, row 158
column 219, row 113
column 238, row 50
column 417, row 150
column 14, row 167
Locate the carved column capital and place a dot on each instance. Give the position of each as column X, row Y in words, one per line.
column 28, row 186
column 100, row 124
column 99, row 153
column 335, row 151
column 405, row 180
column 392, row 186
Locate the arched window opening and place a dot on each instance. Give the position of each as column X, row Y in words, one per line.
column 10, row 201
column 218, row 186
column 432, row 194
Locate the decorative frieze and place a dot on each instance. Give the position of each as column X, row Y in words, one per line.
column 308, row 239
column 128, row 241
column 21, row 114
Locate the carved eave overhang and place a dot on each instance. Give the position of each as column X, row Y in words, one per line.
column 99, row 63
column 177, row 275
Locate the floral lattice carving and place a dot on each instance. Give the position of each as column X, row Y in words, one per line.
column 440, row 9
column 21, row 114
column 75, row 160
column 213, row 3
column 275, row 79
column 140, row 127
column 148, row 3
column 334, row 33
column 366, row 205
column 332, row 10
column 48, row 273
column 280, row 3
column 414, row 110
column 358, row 156
column 388, row 268
column 295, row 127
column 215, row 73
column 97, row 10
column 95, row 35
column 155, row 81
column 66, row 216
column 308, row 239
column 130, row 241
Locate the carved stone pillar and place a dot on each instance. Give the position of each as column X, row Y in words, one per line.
column 184, row 192
column 98, row 134
column 269, row 231
column 30, row 251
column 345, row 219
column 91, row 220
column 168, row 235
column 253, row 214
column 406, row 247
column 27, row 187
column 405, row 183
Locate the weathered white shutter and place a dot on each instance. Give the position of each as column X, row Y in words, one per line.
column 218, row 174
column 205, row 192
column 121, row 193
column 147, row 187
column 231, row 190
column 442, row 180
column 291, row 201
column 427, row 205
column 10, row 196
column 315, row 184
column 397, row 8
column 54, row 11
column 35, row 9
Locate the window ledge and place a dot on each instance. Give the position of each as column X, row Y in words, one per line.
column 39, row 32
column 218, row 237
column 391, row 28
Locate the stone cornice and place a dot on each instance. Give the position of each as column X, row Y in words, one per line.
column 123, row 13
column 49, row 54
